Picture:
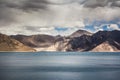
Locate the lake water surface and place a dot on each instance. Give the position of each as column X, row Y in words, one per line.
column 59, row 66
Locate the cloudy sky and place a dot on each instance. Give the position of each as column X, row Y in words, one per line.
column 58, row 16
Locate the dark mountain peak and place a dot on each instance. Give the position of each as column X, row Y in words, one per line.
column 115, row 34
column 115, row 30
column 87, row 43
column 80, row 30
column 108, row 32
column 79, row 33
column 101, row 33
column 58, row 36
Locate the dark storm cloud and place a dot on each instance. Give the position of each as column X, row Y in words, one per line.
column 32, row 4
column 43, row 4
column 35, row 4
column 6, row 17
column 31, row 16
column 10, row 9
column 101, row 3
column 117, row 4
column 25, row 4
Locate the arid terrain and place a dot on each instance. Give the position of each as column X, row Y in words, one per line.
column 81, row 40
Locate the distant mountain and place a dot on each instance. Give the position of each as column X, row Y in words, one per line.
column 89, row 43
column 35, row 40
column 81, row 40
column 61, row 43
column 9, row 44
column 80, row 33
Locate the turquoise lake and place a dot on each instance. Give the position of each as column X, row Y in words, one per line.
column 59, row 66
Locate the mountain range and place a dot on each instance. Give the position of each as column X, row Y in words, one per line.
column 81, row 40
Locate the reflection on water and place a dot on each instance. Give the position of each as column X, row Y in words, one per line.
column 59, row 66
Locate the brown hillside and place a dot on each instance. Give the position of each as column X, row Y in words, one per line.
column 9, row 44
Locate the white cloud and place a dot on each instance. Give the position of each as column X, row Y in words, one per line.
column 43, row 17
column 114, row 26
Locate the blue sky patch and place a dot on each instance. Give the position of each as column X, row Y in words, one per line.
column 61, row 28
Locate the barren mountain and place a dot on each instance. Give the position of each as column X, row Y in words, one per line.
column 80, row 33
column 89, row 43
column 81, row 40
column 9, row 44
column 35, row 40
column 107, row 47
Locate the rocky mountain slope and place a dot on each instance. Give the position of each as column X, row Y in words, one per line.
column 42, row 42
column 101, row 41
column 9, row 44
column 91, row 43
column 80, row 33
column 35, row 40
column 106, row 47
